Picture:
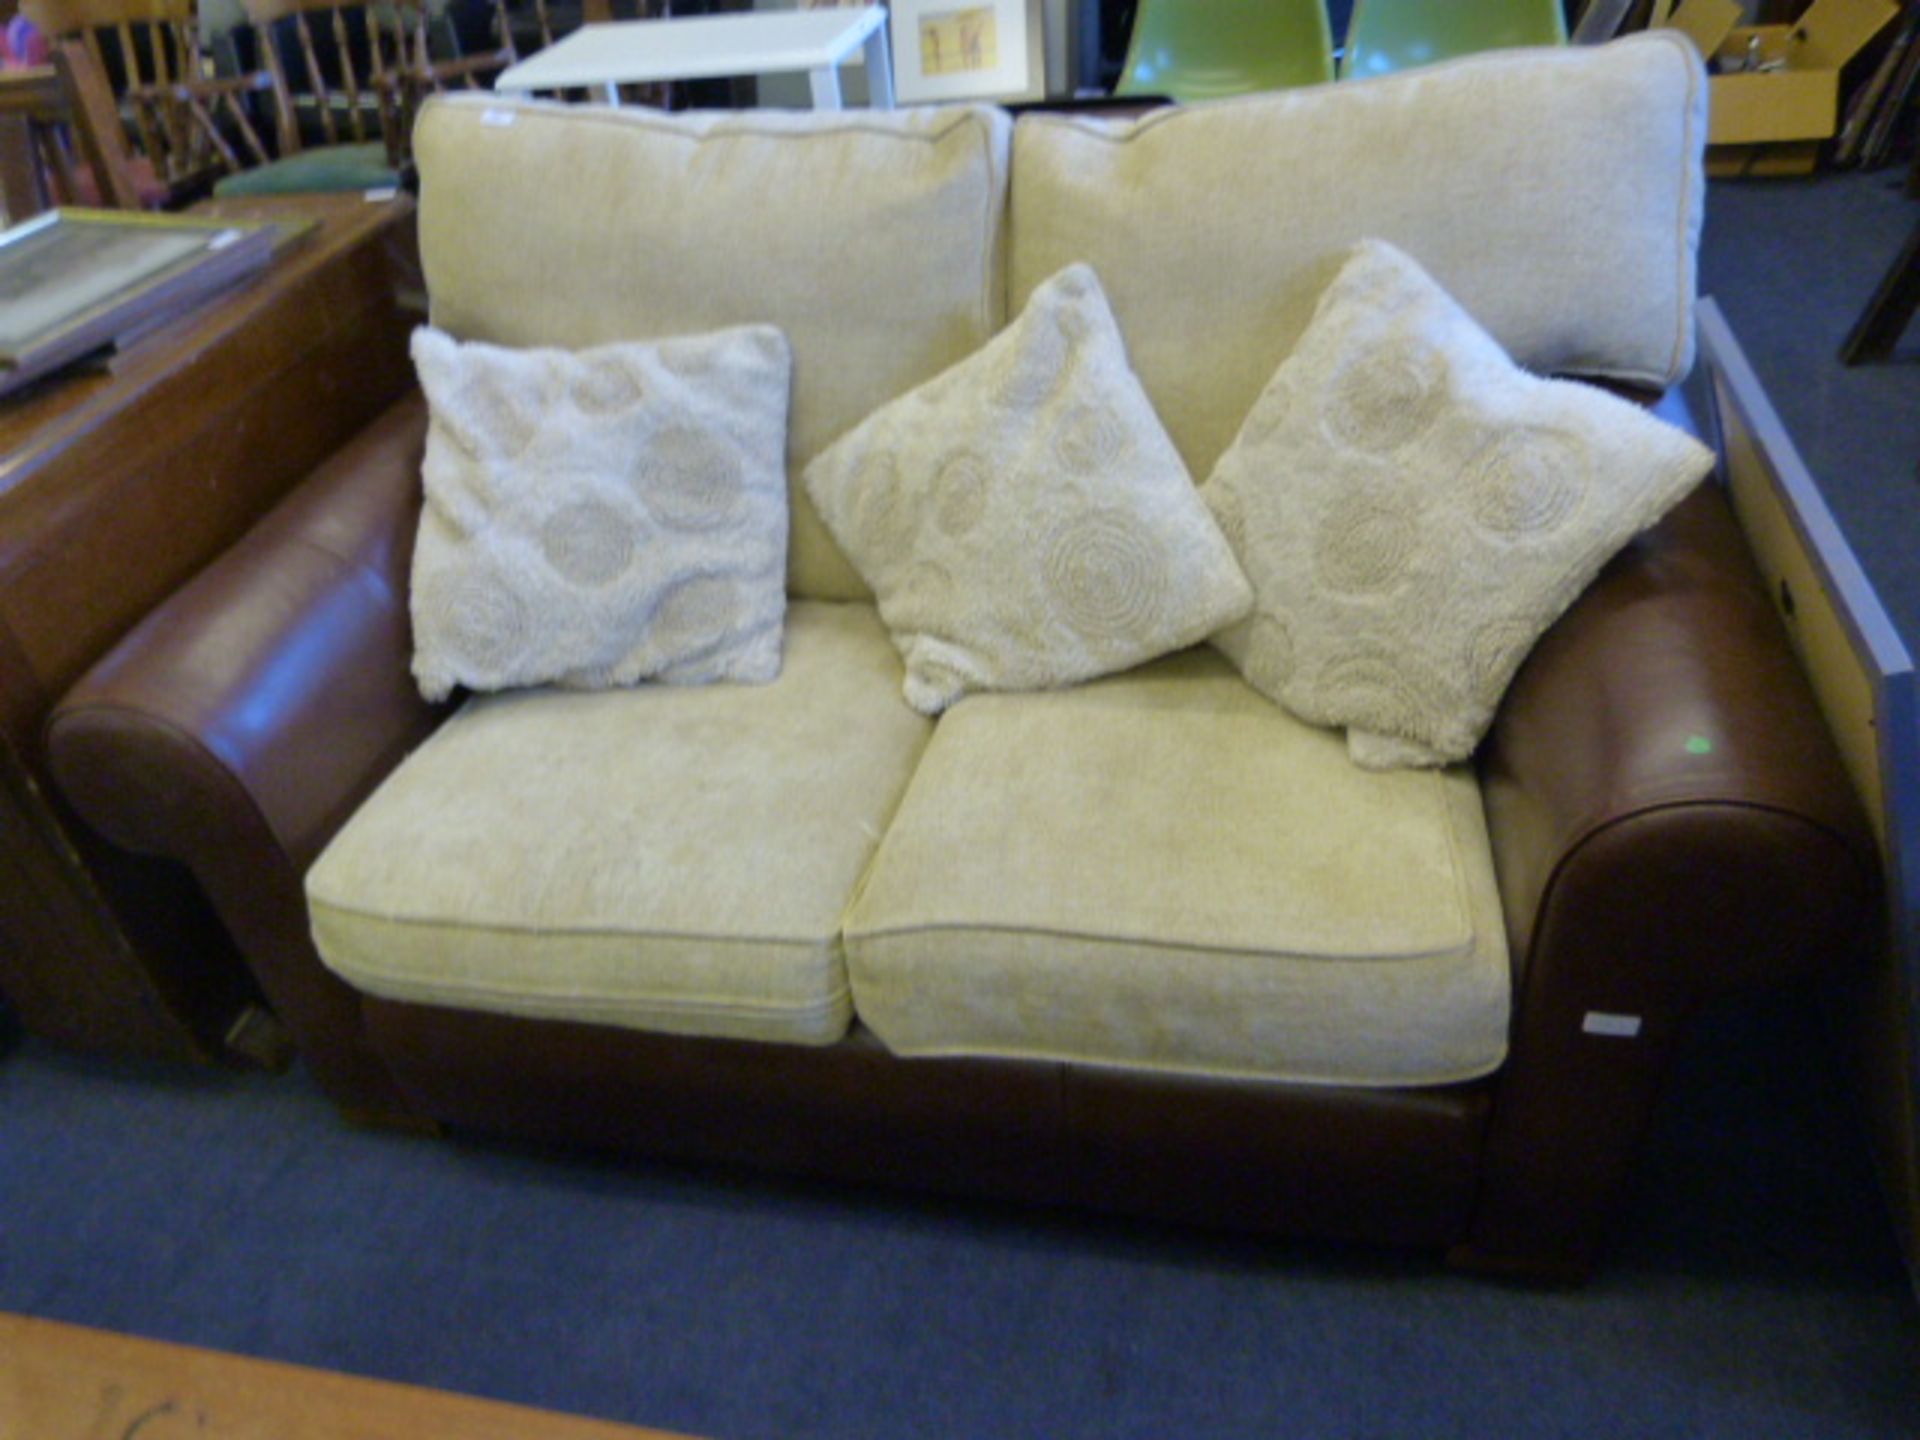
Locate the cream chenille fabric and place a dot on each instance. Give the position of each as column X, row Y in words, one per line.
column 664, row 858
column 1023, row 518
column 600, row 517
column 1163, row 870
column 1557, row 193
column 1414, row 511
column 873, row 239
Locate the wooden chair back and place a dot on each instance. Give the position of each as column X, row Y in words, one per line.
column 141, row 60
column 385, row 64
column 360, row 96
column 433, row 74
column 156, row 42
column 429, row 74
column 60, row 138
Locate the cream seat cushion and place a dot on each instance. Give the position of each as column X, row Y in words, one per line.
column 872, row 239
column 664, row 858
column 1163, row 870
column 1557, row 194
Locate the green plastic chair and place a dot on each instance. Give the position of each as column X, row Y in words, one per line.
column 1388, row 35
column 1207, row 49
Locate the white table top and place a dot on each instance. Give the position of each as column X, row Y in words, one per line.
column 697, row 48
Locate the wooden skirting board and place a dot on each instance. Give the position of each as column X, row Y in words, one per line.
column 64, row 1382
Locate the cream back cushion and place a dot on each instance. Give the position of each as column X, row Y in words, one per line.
column 1555, row 193
column 872, row 239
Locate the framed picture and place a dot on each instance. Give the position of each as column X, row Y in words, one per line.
column 74, row 281
column 967, row 50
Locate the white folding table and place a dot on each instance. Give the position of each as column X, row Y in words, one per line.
column 607, row 56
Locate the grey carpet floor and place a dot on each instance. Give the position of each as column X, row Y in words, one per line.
column 1753, row 1289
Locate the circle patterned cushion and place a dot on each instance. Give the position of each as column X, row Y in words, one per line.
column 1414, row 511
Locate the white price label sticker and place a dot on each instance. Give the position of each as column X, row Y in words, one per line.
column 1619, row 1027
column 498, row 117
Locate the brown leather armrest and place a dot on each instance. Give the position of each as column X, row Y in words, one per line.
column 1670, row 820
column 239, row 725
column 1667, row 687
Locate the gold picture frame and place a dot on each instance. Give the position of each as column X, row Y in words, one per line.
column 73, row 281
column 946, row 50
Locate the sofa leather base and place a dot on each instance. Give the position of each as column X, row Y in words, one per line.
column 1394, row 1166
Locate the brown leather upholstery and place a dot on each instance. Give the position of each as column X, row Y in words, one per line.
column 1670, row 821
column 849, row 1110
column 1381, row 1165
column 1392, row 1165
column 238, row 727
column 1676, row 635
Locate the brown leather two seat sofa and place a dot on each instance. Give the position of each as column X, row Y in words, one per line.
column 1668, row 823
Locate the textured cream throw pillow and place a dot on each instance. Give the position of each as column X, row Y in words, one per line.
column 601, row 516
column 1414, row 511
column 1023, row 518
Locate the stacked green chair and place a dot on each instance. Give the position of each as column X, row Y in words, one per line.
column 1389, row 35
column 1205, row 49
